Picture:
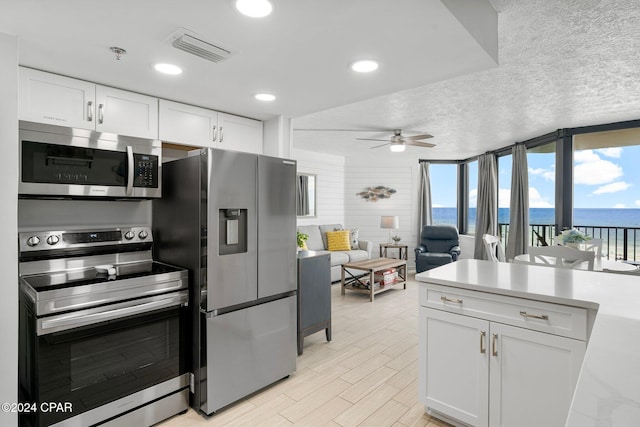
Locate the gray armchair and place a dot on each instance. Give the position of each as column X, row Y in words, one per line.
column 439, row 245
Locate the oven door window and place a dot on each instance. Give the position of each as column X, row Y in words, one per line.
column 95, row 365
column 63, row 164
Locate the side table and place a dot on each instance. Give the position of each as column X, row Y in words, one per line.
column 314, row 295
column 402, row 250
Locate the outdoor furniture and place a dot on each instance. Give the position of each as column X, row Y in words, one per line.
column 439, row 245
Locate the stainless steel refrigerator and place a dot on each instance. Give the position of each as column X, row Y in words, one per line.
column 230, row 218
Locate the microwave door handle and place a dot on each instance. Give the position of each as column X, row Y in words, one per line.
column 130, row 170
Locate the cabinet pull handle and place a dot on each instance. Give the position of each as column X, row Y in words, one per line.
column 221, row 133
column 215, row 133
column 494, row 344
column 100, row 113
column 90, row 111
column 534, row 316
column 456, row 300
column 483, row 349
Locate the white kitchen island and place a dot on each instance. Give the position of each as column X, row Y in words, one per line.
column 608, row 386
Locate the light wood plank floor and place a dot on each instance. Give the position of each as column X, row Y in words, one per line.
column 366, row 376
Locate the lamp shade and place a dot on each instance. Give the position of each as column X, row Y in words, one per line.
column 389, row 222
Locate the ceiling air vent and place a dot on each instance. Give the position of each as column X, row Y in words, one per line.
column 193, row 44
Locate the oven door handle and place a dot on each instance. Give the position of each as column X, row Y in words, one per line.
column 92, row 316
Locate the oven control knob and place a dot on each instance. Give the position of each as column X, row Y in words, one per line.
column 143, row 235
column 53, row 239
column 33, row 241
column 129, row 235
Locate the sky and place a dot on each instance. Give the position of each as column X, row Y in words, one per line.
column 603, row 178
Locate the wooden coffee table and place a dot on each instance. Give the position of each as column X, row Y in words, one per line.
column 365, row 283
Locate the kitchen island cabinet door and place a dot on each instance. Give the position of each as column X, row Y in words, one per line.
column 239, row 134
column 126, row 113
column 533, row 376
column 56, row 100
column 454, row 366
column 186, row 124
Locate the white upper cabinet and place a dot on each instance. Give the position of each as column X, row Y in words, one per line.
column 57, row 100
column 239, row 133
column 53, row 99
column 126, row 113
column 186, row 124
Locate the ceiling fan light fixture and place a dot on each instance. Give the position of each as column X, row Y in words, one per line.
column 397, row 148
column 254, row 8
column 365, row 66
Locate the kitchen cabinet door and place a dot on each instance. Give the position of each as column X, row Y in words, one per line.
column 57, row 100
column 186, row 124
column 126, row 113
column 533, row 376
column 239, row 133
column 453, row 365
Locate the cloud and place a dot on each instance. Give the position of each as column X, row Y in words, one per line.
column 592, row 170
column 615, row 152
column 437, row 206
column 619, row 206
column 536, row 200
column 473, row 198
column 614, row 187
column 637, row 202
column 548, row 174
column 504, row 197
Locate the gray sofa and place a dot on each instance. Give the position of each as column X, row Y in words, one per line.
column 318, row 242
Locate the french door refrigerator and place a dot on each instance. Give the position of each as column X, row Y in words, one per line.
column 230, row 218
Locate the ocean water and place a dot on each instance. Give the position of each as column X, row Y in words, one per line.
column 588, row 217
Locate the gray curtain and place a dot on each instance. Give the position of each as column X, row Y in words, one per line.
column 303, row 196
column 425, row 215
column 519, row 210
column 487, row 207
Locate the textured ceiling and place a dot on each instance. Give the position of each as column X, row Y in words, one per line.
column 562, row 63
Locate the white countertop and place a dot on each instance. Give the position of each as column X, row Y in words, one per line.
column 608, row 390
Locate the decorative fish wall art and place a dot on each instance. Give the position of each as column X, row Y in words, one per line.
column 373, row 194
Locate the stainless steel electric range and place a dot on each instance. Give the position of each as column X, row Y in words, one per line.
column 102, row 329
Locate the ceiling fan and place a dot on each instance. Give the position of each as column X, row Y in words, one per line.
column 398, row 142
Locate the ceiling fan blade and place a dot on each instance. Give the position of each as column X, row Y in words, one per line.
column 340, row 130
column 370, row 139
column 416, row 137
column 420, row 144
column 378, row 146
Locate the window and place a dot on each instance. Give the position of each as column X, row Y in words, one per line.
column 472, row 200
column 444, row 186
column 606, row 179
column 541, row 162
column 504, row 194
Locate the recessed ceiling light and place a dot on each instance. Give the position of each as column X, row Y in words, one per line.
column 254, row 8
column 397, row 148
column 265, row 97
column 365, row 66
column 168, row 69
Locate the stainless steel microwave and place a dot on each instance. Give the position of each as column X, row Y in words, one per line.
column 58, row 161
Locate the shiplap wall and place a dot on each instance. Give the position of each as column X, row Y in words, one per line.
column 330, row 171
column 401, row 176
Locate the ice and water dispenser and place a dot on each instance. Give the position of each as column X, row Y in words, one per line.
column 232, row 231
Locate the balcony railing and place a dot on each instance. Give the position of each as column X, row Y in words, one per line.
column 619, row 243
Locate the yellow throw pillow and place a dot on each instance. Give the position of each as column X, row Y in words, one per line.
column 338, row 240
